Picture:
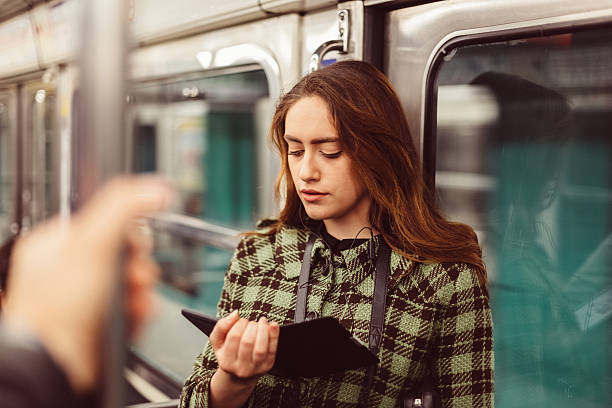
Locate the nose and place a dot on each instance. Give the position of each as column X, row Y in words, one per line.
column 309, row 171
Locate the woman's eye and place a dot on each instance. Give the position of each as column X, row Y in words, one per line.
column 332, row 155
column 295, row 152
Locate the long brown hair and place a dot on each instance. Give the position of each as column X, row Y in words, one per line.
column 374, row 132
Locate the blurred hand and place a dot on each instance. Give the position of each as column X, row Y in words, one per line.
column 62, row 274
column 142, row 273
column 244, row 349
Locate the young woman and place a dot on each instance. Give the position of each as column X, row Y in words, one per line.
column 352, row 186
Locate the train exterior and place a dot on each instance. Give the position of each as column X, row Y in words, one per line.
column 509, row 103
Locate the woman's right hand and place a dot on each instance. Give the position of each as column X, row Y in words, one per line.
column 245, row 349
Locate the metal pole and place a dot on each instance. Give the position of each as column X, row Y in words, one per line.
column 100, row 150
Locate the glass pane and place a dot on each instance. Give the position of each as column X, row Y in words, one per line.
column 7, row 171
column 42, row 153
column 200, row 132
column 192, row 276
column 524, row 155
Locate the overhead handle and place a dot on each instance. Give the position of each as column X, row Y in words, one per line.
column 341, row 44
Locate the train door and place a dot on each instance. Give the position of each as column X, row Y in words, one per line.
column 511, row 105
column 199, row 111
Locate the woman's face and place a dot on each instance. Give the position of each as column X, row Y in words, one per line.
column 322, row 173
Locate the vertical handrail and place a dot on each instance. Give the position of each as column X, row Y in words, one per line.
column 100, row 151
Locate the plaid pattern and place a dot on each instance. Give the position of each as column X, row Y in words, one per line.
column 437, row 322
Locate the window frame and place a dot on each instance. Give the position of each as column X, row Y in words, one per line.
column 430, row 119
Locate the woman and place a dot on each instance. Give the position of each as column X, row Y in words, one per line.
column 352, row 186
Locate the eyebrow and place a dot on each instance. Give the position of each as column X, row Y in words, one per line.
column 320, row 140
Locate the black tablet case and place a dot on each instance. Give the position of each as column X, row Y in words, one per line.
column 313, row 348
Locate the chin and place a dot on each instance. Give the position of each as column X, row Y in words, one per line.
column 315, row 213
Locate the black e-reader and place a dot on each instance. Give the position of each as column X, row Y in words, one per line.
column 312, row 348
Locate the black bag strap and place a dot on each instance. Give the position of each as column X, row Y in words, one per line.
column 302, row 291
column 377, row 317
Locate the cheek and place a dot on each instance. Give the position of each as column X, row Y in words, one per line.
column 347, row 180
column 292, row 169
column 354, row 187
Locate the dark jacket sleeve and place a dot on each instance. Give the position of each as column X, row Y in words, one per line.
column 29, row 378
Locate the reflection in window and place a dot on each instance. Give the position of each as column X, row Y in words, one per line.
column 200, row 132
column 192, row 277
column 524, row 156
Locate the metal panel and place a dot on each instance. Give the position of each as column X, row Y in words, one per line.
column 265, row 43
column 286, row 6
column 316, row 29
column 415, row 34
column 157, row 20
column 57, row 30
column 18, row 46
column 154, row 20
column 9, row 8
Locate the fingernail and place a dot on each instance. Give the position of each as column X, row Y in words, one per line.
column 233, row 314
column 263, row 319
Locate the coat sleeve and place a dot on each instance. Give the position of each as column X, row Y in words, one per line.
column 29, row 377
column 195, row 393
column 464, row 353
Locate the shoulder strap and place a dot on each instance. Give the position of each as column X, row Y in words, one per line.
column 302, row 291
column 377, row 317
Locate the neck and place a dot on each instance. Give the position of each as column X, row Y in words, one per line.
column 350, row 223
column 340, row 231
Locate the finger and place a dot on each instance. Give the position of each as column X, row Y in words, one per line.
column 120, row 201
column 245, row 352
column 139, row 237
column 260, row 350
column 233, row 339
column 221, row 329
column 142, row 271
column 141, row 307
column 142, row 274
column 274, row 335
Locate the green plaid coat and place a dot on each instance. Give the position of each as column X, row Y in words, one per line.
column 437, row 322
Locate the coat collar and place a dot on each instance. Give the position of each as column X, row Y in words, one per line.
column 291, row 243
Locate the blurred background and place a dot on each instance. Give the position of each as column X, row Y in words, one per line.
column 509, row 104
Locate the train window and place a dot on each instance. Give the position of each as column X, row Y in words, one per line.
column 204, row 132
column 7, row 169
column 192, row 276
column 200, row 132
column 524, row 155
column 41, row 154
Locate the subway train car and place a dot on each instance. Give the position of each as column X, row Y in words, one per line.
column 509, row 103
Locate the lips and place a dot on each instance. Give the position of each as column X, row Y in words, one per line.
column 312, row 195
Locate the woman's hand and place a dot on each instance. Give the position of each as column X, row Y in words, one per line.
column 245, row 349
